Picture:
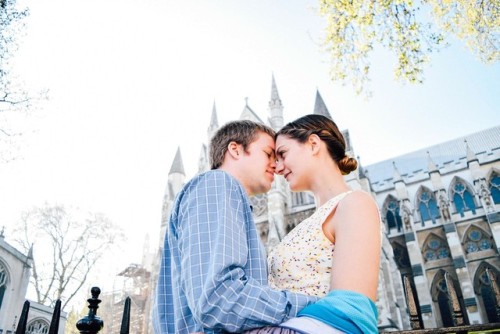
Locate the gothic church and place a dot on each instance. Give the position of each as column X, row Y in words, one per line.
column 440, row 208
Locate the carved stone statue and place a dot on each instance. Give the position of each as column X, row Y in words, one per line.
column 444, row 207
column 406, row 218
column 484, row 193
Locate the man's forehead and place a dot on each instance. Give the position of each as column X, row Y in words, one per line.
column 265, row 139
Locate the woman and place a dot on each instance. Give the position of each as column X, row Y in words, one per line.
column 335, row 253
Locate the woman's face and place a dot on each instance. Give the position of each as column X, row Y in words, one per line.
column 292, row 159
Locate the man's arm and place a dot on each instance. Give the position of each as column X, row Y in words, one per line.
column 214, row 252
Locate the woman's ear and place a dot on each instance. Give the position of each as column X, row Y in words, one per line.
column 234, row 150
column 314, row 142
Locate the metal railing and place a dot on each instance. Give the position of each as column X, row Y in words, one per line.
column 89, row 324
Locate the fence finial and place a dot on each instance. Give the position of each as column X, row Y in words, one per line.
column 91, row 323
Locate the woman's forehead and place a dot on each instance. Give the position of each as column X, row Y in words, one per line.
column 283, row 140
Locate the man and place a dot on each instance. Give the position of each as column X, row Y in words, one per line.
column 213, row 274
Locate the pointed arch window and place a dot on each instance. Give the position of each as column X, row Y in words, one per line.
column 38, row 326
column 484, row 287
column 435, row 248
column 444, row 304
column 476, row 240
column 392, row 215
column 401, row 256
column 495, row 188
column 441, row 294
column 3, row 282
column 463, row 198
column 427, row 206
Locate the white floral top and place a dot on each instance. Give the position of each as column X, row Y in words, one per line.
column 302, row 261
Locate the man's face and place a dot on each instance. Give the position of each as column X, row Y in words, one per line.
column 259, row 164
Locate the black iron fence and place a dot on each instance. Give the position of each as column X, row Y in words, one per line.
column 89, row 324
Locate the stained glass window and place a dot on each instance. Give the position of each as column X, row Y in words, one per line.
column 463, row 199
column 477, row 240
column 3, row 282
column 392, row 215
column 495, row 189
column 488, row 293
column 428, row 206
column 38, row 327
column 435, row 249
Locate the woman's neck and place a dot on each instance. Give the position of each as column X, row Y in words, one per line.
column 328, row 187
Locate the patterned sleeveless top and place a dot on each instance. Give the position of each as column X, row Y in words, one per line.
column 302, row 261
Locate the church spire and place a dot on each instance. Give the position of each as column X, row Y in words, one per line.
column 214, row 124
column 431, row 166
column 471, row 156
column 275, row 108
column 177, row 165
column 320, row 106
column 396, row 176
column 275, row 98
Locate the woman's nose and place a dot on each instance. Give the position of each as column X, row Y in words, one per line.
column 279, row 167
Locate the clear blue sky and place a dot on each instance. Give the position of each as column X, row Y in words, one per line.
column 131, row 80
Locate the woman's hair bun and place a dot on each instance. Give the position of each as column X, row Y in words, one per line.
column 347, row 164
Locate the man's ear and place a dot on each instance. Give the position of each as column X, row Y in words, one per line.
column 234, row 150
column 314, row 142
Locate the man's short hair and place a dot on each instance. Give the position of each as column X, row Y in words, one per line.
column 243, row 132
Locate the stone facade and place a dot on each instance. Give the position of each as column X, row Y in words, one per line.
column 14, row 279
column 15, row 272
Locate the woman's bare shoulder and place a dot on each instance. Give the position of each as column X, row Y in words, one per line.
column 359, row 203
column 357, row 197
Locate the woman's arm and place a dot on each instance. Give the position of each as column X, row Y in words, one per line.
column 356, row 258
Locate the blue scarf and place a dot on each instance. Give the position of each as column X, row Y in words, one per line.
column 347, row 311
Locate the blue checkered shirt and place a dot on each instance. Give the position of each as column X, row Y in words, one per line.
column 213, row 272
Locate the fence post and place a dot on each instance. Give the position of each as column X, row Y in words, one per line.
column 23, row 319
column 91, row 324
column 126, row 317
column 54, row 324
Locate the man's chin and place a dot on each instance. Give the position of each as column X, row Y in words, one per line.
column 263, row 190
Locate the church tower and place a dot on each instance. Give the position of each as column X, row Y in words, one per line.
column 280, row 192
column 275, row 108
column 176, row 179
column 203, row 161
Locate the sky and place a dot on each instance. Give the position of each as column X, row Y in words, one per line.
column 130, row 81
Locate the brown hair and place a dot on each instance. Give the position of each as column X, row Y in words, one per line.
column 327, row 131
column 243, row 132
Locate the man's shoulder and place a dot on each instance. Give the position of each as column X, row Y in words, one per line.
column 211, row 175
column 214, row 178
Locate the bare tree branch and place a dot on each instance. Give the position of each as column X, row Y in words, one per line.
column 67, row 248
